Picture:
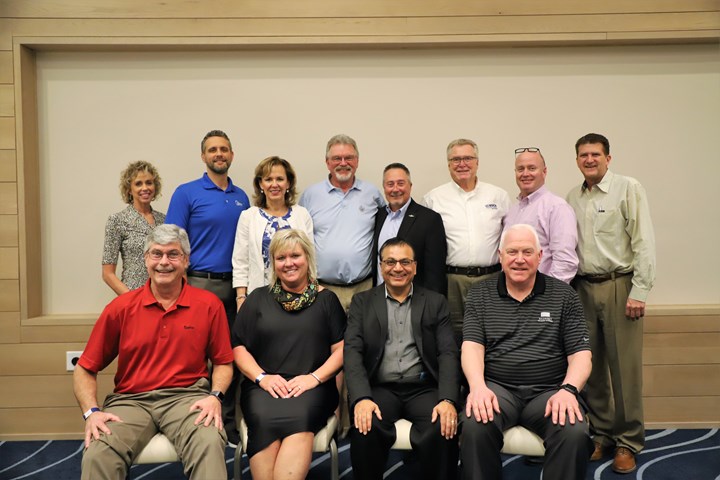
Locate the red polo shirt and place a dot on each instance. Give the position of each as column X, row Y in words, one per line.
column 158, row 348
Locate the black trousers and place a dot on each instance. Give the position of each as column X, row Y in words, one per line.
column 369, row 453
column 567, row 448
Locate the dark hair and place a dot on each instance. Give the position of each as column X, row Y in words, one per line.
column 593, row 138
column 395, row 242
column 214, row 133
column 263, row 169
column 397, row 165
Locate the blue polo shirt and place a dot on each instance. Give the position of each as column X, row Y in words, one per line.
column 343, row 226
column 210, row 216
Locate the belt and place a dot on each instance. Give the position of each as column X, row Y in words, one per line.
column 473, row 271
column 602, row 277
column 210, row 275
column 351, row 284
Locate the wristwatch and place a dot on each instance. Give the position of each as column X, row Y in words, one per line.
column 217, row 393
column 259, row 378
column 570, row 388
column 90, row 411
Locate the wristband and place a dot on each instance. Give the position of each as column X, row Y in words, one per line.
column 218, row 394
column 92, row 410
column 240, row 297
column 316, row 378
column 570, row 388
column 259, row 378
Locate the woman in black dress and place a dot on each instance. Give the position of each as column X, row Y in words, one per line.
column 288, row 343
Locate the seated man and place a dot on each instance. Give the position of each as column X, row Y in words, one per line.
column 401, row 361
column 163, row 335
column 525, row 354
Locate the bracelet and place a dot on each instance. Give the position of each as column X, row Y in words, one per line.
column 240, row 297
column 316, row 378
column 259, row 378
column 90, row 411
column 570, row 388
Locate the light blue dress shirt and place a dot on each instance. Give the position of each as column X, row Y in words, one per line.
column 390, row 229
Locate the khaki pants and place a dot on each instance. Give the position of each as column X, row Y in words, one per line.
column 615, row 384
column 201, row 449
column 458, row 286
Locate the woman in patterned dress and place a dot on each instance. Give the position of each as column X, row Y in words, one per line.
column 274, row 210
column 126, row 230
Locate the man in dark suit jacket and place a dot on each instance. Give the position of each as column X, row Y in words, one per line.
column 419, row 226
column 401, row 361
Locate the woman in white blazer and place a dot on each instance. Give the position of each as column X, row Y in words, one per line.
column 274, row 210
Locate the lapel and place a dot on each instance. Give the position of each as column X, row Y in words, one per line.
column 418, row 306
column 408, row 220
column 380, row 307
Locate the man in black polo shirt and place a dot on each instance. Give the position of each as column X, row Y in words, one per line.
column 525, row 353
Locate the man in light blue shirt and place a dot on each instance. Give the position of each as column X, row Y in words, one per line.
column 343, row 210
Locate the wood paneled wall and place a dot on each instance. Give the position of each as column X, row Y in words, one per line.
column 682, row 346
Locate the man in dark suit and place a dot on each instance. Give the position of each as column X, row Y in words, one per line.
column 418, row 225
column 401, row 361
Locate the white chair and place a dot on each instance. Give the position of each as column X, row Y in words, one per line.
column 159, row 450
column 517, row 440
column 324, row 442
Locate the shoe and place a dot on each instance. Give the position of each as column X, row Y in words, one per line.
column 598, row 453
column 624, row 461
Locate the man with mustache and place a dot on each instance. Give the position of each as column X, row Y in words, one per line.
column 472, row 212
column 163, row 335
column 616, row 249
column 343, row 210
column 208, row 209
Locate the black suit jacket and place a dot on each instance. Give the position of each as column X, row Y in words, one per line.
column 424, row 230
column 367, row 331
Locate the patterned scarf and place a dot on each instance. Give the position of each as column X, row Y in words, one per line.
column 294, row 302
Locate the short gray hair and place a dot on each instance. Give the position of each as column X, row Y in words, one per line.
column 166, row 234
column 517, row 228
column 459, row 143
column 286, row 239
column 341, row 139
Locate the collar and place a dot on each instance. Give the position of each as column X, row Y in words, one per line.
column 604, row 184
column 461, row 191
column 209, row 185
column 390, row 297
column 400, row 213
column 538, row 287
column 357, row 185
column 147, row 298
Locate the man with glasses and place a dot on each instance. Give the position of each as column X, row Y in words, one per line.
column 401, row 361
column 472, row 212
column 616, row 248
column 208, row 209
column 419, row 226
column 163, row 335
column 551, row 216
column 343, row 210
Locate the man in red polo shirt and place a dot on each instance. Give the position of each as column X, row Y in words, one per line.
column 163, row 335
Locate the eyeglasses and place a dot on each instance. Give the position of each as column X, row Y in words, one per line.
column 347, row 158
column 458, row 160
column 172, row 255
column 391, row 262
column 518, row 151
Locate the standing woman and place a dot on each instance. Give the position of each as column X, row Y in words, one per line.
column 274, row 210
column 288, row 343
column 126, row 230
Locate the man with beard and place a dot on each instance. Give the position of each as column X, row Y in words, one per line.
column 208, row 209
column 343, row 210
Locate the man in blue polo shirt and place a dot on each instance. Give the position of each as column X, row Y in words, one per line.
column 208, row 209
column 343, row 210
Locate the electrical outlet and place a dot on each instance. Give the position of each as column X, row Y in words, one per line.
column 71, row 359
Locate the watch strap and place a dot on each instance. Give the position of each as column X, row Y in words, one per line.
column 259, row 378
column 90, row 411
column 570, row 388
column 218, row 394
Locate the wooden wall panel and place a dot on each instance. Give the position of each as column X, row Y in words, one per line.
column 6, row 67
column 9, row 330
column 35, row 358
column 9, row 263
column 8, row 199
column 681, row 380
column 8, row 231
column 32, row 423
column 35, row 390
column 689, row 412
column 681, row 323
column 7, row 133
column 56, row 333
column 7, row 101
column 8, row 170
column 9, row 297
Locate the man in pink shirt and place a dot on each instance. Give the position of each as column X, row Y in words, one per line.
column 553, row 219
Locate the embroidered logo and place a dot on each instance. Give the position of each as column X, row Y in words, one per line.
column 491, row 206
column 188, row 327
column 545, row 317
column 238, row 203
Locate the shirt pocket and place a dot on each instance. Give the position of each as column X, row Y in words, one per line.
column 609, row 222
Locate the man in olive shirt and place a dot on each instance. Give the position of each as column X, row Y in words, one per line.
column 616, row 250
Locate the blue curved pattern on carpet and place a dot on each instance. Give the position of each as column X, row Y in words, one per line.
column 669, row 455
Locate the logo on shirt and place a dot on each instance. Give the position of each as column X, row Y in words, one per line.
column 188, row 327
column 491, row 206
column 545, row 317
column 238, row 203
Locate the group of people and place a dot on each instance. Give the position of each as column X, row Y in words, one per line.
column 465, row 316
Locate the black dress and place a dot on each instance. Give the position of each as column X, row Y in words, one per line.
column 287, row 344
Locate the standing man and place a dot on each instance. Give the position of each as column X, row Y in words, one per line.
column 419, row 226
column 472, row 212
column 525, row 354
column 551, row 216
column 343, row 210
column 616, row 249
column 163, row 335
column 209, row 208
column 401, row 362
